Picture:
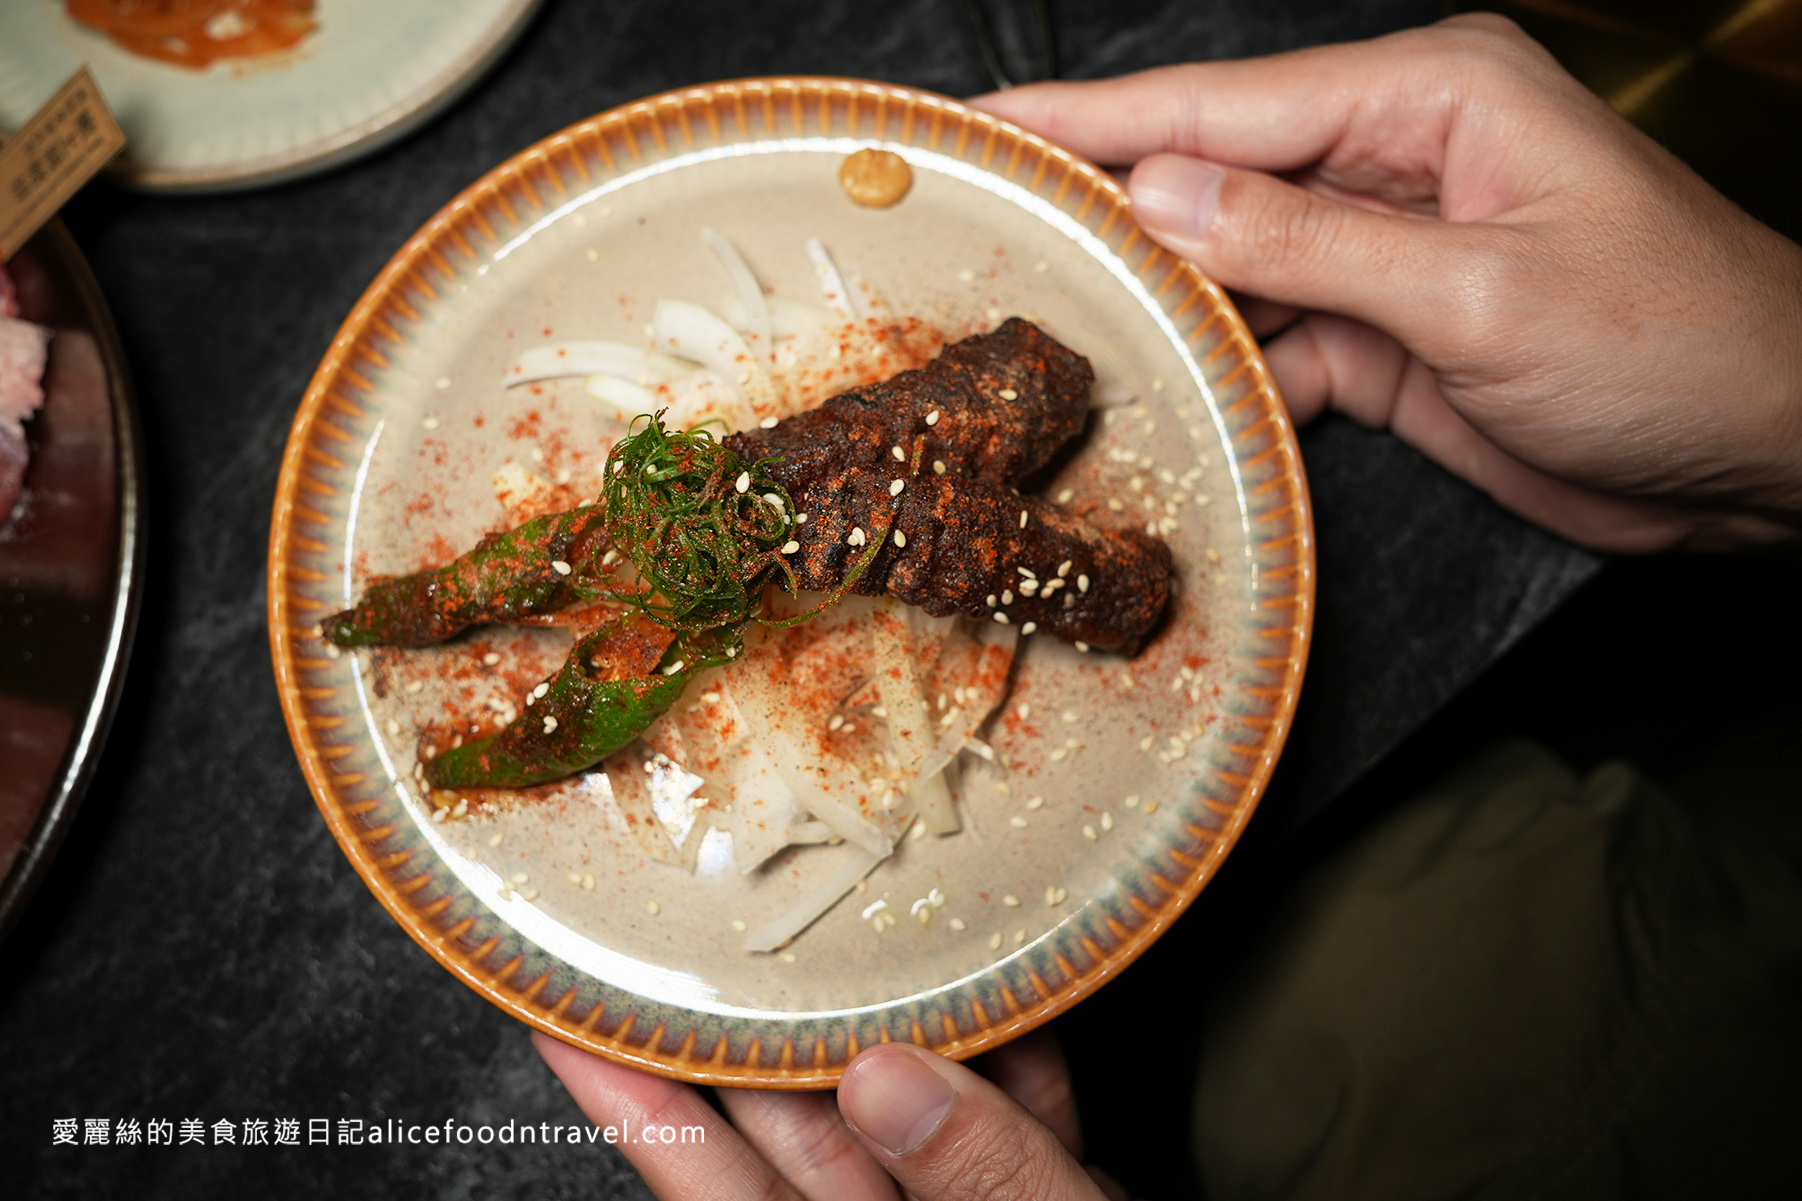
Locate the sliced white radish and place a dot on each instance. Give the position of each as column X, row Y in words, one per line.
column 778, row 932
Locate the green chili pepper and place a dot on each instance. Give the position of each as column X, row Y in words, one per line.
column 508, row 576
column 704, row 534
column 580, row 720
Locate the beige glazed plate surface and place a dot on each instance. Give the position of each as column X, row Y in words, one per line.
column 370, row 72
column 1118, row 785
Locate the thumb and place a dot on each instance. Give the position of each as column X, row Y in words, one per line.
column 1254, row 233
column 949, row 1135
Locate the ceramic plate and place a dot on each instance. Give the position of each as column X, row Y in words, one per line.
column 1126, row 781
column 369, row 73
column 71, row 566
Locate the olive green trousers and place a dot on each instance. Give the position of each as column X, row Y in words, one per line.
column 1523, row 983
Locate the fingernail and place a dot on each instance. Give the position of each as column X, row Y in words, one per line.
column 1176, row 195
column 895, row 1099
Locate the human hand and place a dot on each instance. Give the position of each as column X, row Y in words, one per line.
column 902, row 1115
column 1489, row 262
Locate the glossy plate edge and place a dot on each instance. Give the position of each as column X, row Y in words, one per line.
column 524, row 980
column 53, row 821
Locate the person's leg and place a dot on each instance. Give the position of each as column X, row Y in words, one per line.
column 1518, row 983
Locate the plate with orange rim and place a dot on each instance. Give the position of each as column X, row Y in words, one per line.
column 1118, row 785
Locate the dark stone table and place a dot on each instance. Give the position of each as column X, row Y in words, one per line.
column 202, row 950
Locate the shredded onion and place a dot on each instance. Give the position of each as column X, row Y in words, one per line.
column 578, row 358
column 832, row 284
column 750, row 292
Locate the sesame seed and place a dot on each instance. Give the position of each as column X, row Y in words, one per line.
column 610, row 558
column 1030, row 627
column 1083, row 647
column 837, row 721
column 550, row 725
column 1011, row 901
column 520, row 877
column 768, row 423
column 879, row 711
column 530, row 894
column 560, row 567
column 1055, row 895
column 995, row 941
column 438, row 815
column 938, row 467
column 1060, row 754
column 932, row 418
column 966, row 275
column 744, row 482
column 1071, row 717
column 673, row 668
column 919, row 832
column 416, row 685
column 790, row 547
column 857, row 538
column 773, row 501
column 542, row 688
column 588, row 881
column 1107, row 821
column 1007, row 596
column 1064, row 497
column 738, row 924
column 1115, row 504
column 1132, row 802
column 1009, row 394
column 1041, row 266
column 1082, row 583
column 1029, row 587
column 800, row 519
column 573, row 877
column 1019, row 936
column 430, row 423
column 495, row 839
column 1052, row 585
column 1000, row 617
column 1213, row 555
column 895, row 487
column 994, row 314
column 900, row 455
column 991, row 600
column 1069, row 601
column 1157, row 385
column 1018, row 823
column 900, row 538
column 1033, row 802
column 393, row 727
column 1026, row 573
column 1151, row 806
column 1088, row 832
column 957, row 923
column 1024, row 710
column 652, row 908
column 1022, row 518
